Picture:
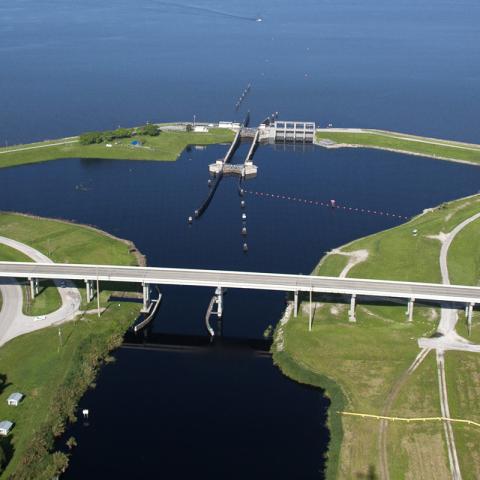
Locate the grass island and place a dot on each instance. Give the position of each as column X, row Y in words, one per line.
column 399, row 142
column 166, row 146
column 365, row 367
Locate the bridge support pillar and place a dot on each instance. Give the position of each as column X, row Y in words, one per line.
column 351, row 311
column 219, row 295
column 146, row 297
column 295, row 304
column 90, row 290
column 409, row 311
column 469, row 316
column 310, row 315
column 34, row 287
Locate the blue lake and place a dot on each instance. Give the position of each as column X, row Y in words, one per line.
column 412, row 66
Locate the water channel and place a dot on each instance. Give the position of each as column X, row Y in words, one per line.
column 222, row 411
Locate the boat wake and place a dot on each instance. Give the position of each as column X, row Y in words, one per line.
column 206, row 10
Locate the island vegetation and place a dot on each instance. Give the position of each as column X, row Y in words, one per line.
column 362, row 366
column 149, row 143
column 53, row 367
column 400, row 142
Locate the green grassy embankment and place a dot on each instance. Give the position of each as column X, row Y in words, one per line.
column 410, row 144
column 166, row 146
column 365, row 360
column 52, row 373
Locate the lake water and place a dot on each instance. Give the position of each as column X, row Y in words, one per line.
column 411, row 65
column 68, row 67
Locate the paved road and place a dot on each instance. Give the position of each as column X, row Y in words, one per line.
column 34, row 147
column 249, row 280
column 406, row 137
column 449, row 341
column 13, row 322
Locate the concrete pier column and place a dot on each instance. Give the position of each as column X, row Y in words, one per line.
column 295, row 304
column 310, row 316
column 469, row 316
column 34, row 288
column 410, row 309
column 351, row 311
column 219, row 294
column 90, row 292
column 146, row 297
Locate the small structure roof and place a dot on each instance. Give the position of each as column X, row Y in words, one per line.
column 16, row 396
column 6, row 426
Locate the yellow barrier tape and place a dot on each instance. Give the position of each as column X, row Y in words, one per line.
column 412, row 419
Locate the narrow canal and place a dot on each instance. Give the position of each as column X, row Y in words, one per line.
column 224, row 412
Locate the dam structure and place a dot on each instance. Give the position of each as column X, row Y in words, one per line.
column 246, row 169
column 287, row 131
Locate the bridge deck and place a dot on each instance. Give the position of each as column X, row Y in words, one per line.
column 248, row 280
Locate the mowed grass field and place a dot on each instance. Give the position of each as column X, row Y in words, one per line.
column 167, row 147
column 40, row 364
column 411, row 144
column 365, row 362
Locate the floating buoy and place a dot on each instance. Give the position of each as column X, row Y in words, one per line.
column 333, row 203
column 242, row 203
column 241, row 192
column 190, row 219
column 245, row 247
column 209, row 182
column 244, row 216
column 196, row 213
column 244, row 230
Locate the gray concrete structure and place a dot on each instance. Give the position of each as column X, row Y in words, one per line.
column 289, row 131
column 34, row 287
column 410, row 309
column 220, row 279
column 351, row 311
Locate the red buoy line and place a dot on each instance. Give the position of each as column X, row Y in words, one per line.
column 331, row 204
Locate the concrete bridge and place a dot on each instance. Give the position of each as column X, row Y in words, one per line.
column 219, row 280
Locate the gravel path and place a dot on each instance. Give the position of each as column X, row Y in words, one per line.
column 13, row 322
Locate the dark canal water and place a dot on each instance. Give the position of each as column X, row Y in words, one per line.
column 67, row 67
column 220, row 411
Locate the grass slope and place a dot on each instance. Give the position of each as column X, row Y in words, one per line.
column 429, row 147
column 166, row 146
column 54, row 374
column 366, row 359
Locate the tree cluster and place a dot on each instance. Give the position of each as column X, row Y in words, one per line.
column 149, row 129
column 89, row 138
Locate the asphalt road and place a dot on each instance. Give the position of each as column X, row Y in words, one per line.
column 249, row 280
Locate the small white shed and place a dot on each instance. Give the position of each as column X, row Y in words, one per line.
column 15, row 398
column 200, row 129
column 5, row 427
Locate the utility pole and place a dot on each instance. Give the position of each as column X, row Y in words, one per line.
column 98, row 295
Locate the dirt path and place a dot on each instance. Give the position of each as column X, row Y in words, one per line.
column 393, row 394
